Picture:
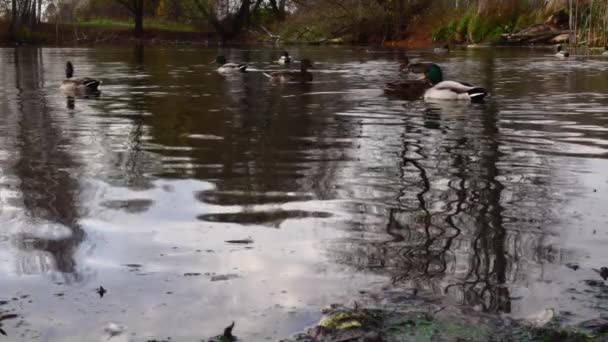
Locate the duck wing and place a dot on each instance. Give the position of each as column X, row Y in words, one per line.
column 409, row 90
column 90, row 84
column 457, row 87
column 234, row 66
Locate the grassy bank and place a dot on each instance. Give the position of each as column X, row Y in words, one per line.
column 420, row 23
column 155, row 25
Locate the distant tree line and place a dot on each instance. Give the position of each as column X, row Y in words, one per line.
column 310, row 19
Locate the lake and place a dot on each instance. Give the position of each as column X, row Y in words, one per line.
column 337, row 189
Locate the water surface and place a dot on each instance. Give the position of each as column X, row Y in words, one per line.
column 499, row 206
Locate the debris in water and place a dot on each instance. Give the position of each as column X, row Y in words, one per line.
column 594, row 283
column 5, row 317
column 101, row 291
column 603, row 272
column 596, row 326
column 191, row 274
column 224, row 277
column 133, row 265
column 573, row 266
column 228, row 332
column 227, row 336
column 114, row 329
column 242, row 242
column 540, row 319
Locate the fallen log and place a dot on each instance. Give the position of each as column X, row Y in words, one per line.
column 536, row 38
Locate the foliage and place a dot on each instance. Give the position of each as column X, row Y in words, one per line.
column 317, row 20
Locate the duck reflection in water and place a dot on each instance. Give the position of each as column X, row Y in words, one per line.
column 50, row 233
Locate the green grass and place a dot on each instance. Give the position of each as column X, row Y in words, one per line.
column 161, row 25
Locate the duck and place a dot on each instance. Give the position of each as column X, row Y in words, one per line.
column 442, row 50
column 285, row 58
column 78, row 86
column 417, row 69
column 226, row 68
column 605, row 53
column 414, row 89
column 451, row 90
column 561, row 53
column 301, row 76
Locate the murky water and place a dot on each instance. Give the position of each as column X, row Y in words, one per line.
column 340, row 188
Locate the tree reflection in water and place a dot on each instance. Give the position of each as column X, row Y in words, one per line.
column 447, row 234
column 44, row 169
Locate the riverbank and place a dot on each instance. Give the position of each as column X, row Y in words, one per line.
column 406, row 316
column 100, row 33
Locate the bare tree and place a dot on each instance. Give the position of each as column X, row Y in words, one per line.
column 228, row 20
column 136, row 7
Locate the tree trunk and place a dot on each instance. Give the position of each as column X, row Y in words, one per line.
column 278, row 8
column 39, row 19
column 14, row 21
column 139, row 25
column 139, row 18
column 136, row 7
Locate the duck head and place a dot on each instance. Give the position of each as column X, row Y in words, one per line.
column 69, row 70
column 560, row 48
column 221, row 60
column 434, row 74
column 285, row 54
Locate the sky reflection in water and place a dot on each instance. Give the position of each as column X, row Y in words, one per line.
column 341, row 188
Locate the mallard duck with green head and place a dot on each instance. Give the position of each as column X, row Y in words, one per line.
column 431, row 74
column 227, row 68
column 453, row 90
column 78, row 86
column 302, row 76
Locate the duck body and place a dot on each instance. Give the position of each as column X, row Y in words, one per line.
column 452, row 90
column 408, row 90
column 302, row 76
column 284, row 59
column 414, row 89
column 561, row 53
column 228, row 68
column 78, row 86
column 82, row 85
column 605, row 53
column 442, row 50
